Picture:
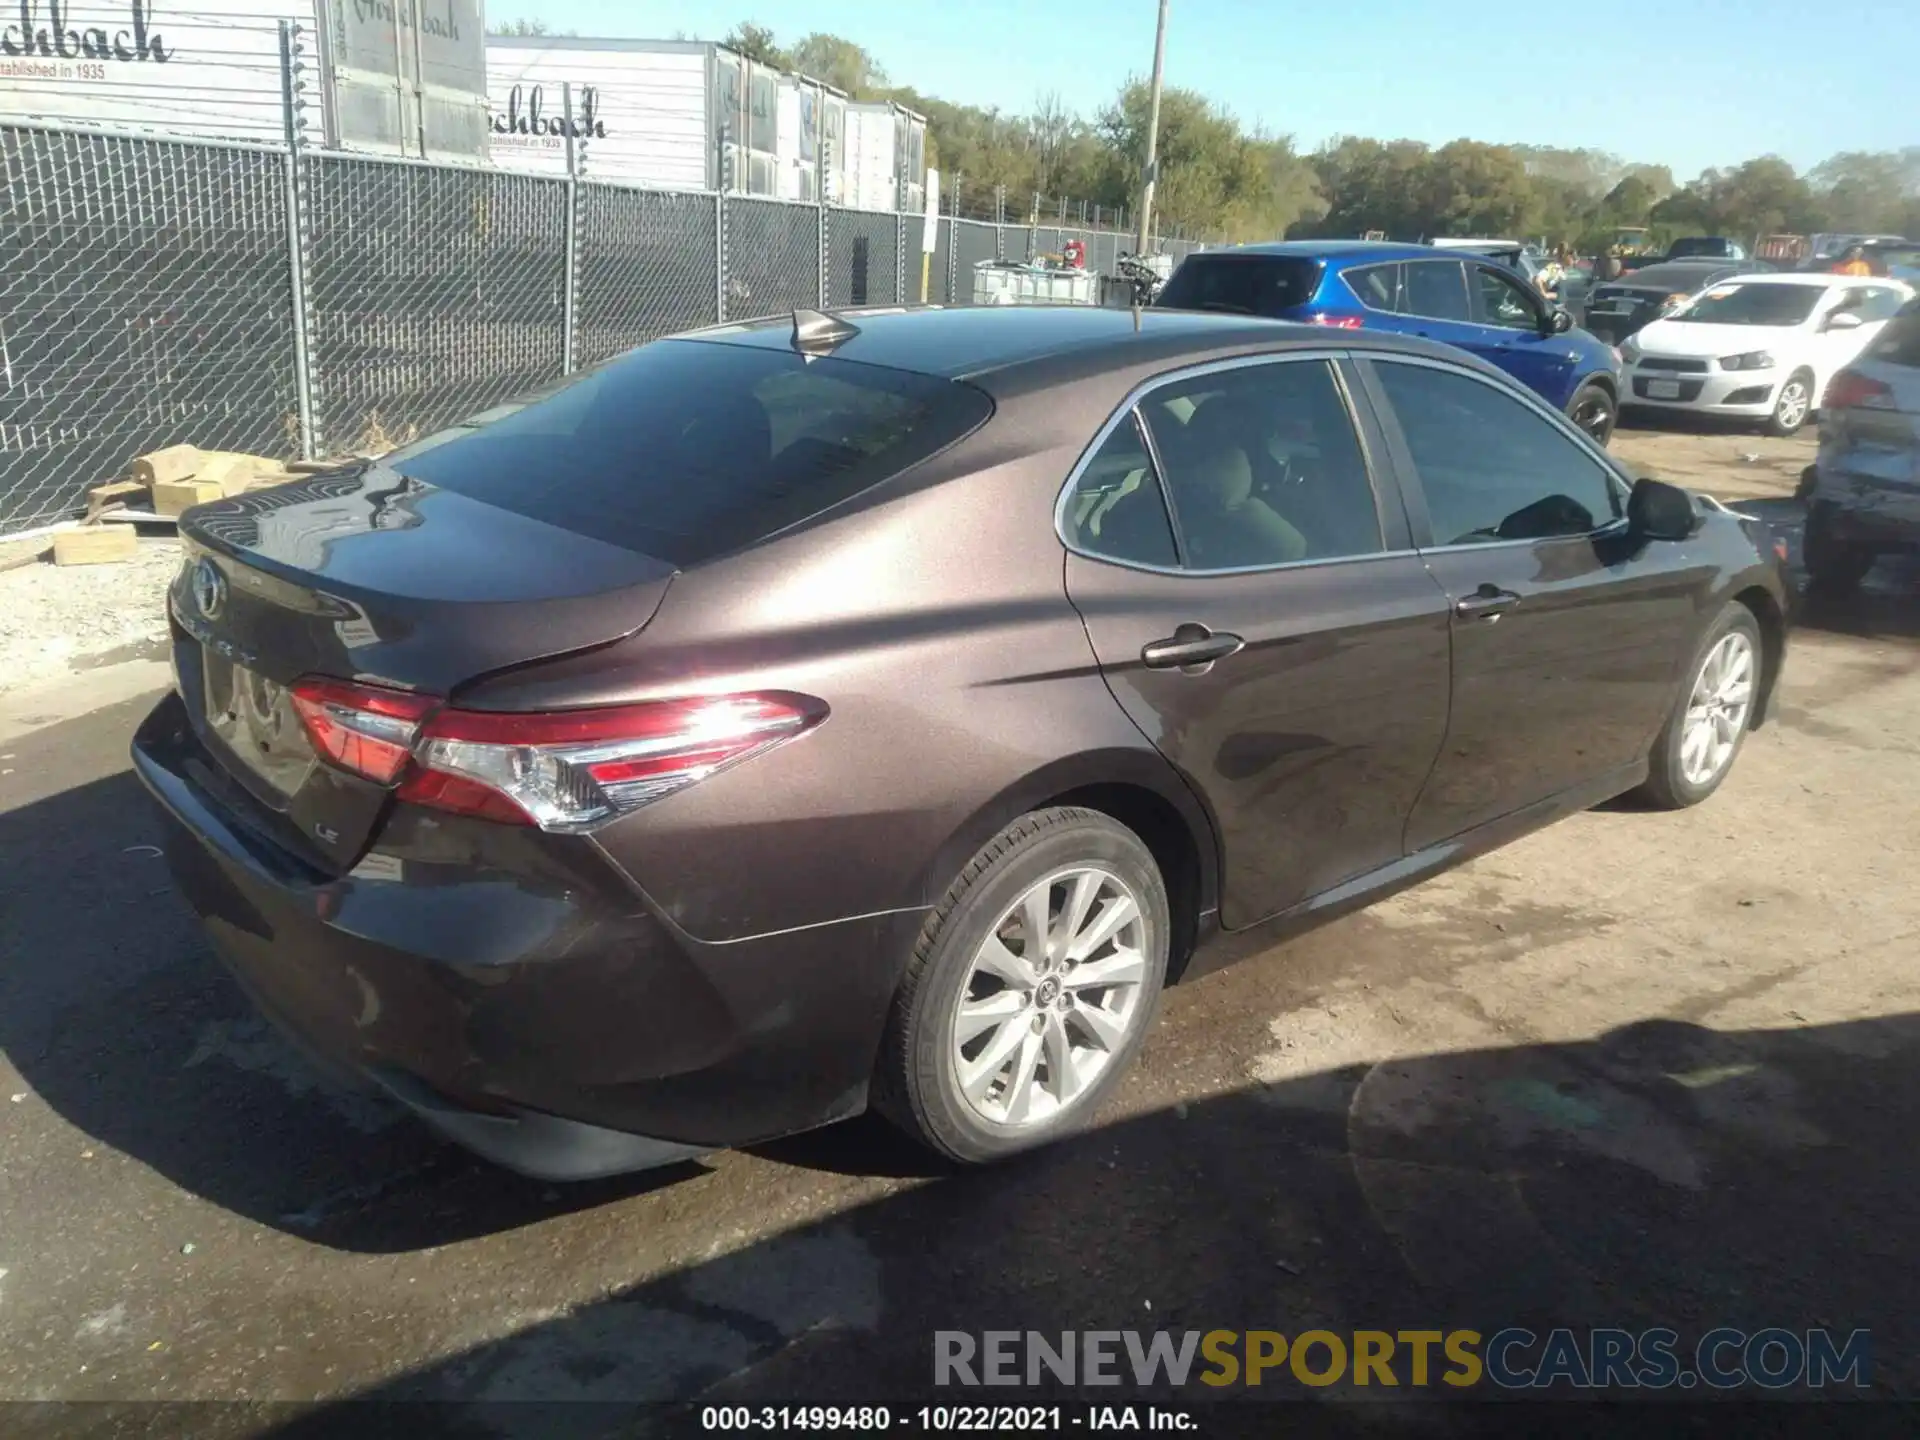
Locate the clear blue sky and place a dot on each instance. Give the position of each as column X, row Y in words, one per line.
column 1686, row 83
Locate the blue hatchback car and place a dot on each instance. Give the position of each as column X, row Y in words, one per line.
column 1453, row 296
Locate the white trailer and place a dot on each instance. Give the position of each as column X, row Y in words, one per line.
column 211, row 69
column 886, row 157
column 667, row 114
column 811, row 117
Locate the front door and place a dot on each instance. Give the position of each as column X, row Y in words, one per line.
column 1259, row 614
column 1568, row 634
column 1515, row 332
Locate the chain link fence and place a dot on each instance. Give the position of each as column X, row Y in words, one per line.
column 146, row 295
column 239, row 297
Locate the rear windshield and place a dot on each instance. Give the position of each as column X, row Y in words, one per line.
column 1752, row 305
column 684, row 449
column 1698, row 247
column 1242, row 284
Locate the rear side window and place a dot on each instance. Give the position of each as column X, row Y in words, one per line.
column 1376, row 286
column 1242, row 284
column 1437, row 290
column 685, row 450
column 1117, row 510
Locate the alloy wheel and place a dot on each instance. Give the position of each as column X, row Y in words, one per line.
column 1594, row 414
column 1052, row 995
column 1791, row 412
column 1717, row 709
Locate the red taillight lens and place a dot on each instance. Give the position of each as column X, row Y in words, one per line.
column 571, row 770
column 566, row 770
column 1338, row 322
column 362, row 728
column 1850, row 390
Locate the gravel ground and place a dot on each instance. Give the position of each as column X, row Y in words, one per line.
column 57, row 619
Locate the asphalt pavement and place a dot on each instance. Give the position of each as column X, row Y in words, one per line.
column 1637, row 1070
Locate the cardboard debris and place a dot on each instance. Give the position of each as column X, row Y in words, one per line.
column 95, row 545
column 159, row 467
column 172, row 499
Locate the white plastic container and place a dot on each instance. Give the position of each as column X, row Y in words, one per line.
column 995, row 282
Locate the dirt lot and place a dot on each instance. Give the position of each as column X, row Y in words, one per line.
column 1638, row 1069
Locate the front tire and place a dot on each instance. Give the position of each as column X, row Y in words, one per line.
column 1793, row 406
column 1595, row 411
column 1030, row 989
column 1710, row 719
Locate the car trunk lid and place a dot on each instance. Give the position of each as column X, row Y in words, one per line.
column 370, row 576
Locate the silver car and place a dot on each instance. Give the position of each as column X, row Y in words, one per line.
column 1864, row 495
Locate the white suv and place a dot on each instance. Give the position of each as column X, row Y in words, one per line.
column 1759, row 347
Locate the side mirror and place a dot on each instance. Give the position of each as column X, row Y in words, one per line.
column 1659, row 511
column 1843, row 320
column 1561, row 322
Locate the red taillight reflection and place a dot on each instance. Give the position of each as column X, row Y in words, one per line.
column 361, row 728
column 1339, row 322
column 1850, row 390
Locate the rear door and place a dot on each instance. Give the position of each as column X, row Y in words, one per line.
column 1437, row 304
column 1514, row 333
column 1257, row 610
column 1567, row 634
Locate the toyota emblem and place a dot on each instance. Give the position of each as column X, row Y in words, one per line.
column 209, row 589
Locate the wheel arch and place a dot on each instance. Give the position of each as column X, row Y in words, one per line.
column 1771, row 618
column 1135, row 788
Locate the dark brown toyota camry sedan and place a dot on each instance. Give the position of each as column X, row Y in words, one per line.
column 881, row 708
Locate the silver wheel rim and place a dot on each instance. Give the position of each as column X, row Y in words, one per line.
column 1052, row 996
column 1595, row 416
column 1717, row 709
column 1793, row 404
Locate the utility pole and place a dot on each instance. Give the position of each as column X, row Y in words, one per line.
column 1151, row 174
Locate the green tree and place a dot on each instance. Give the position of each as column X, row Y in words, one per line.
column 525, row 27
column 837, row 62
column 756, row 43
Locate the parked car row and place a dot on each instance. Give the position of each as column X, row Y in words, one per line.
column 1461, row 298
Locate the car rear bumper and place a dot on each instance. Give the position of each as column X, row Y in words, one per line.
column 542, row 1013
column 1881, row 517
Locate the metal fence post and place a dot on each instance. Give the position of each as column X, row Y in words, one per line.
column 296, row 256
column 820, row 249
column 569, row 273
column 719, row 256
column 900, row 258
column 953, row 242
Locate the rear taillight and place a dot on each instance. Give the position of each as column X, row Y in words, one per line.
column 1338, row 322
column 566, row 770
column 362, row 728
column 1850, row 390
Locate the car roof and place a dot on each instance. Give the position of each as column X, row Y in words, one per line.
column 1375, row 250
column 1824, row 279
column 979, row 341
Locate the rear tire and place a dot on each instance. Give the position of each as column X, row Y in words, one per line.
column 978, row 987
column 1834, row 567
column 1793, row 407
column 1703, row 735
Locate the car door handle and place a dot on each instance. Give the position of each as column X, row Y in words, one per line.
column 1489, row 602
column 1190, row 644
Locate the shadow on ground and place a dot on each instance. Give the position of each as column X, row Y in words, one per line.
column 1661, row 1175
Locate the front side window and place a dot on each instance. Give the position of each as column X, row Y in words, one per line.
column 1116, row 510
column 1492, row 468
column 1263, row 467
column 1437, row 290
column 1503, row 302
